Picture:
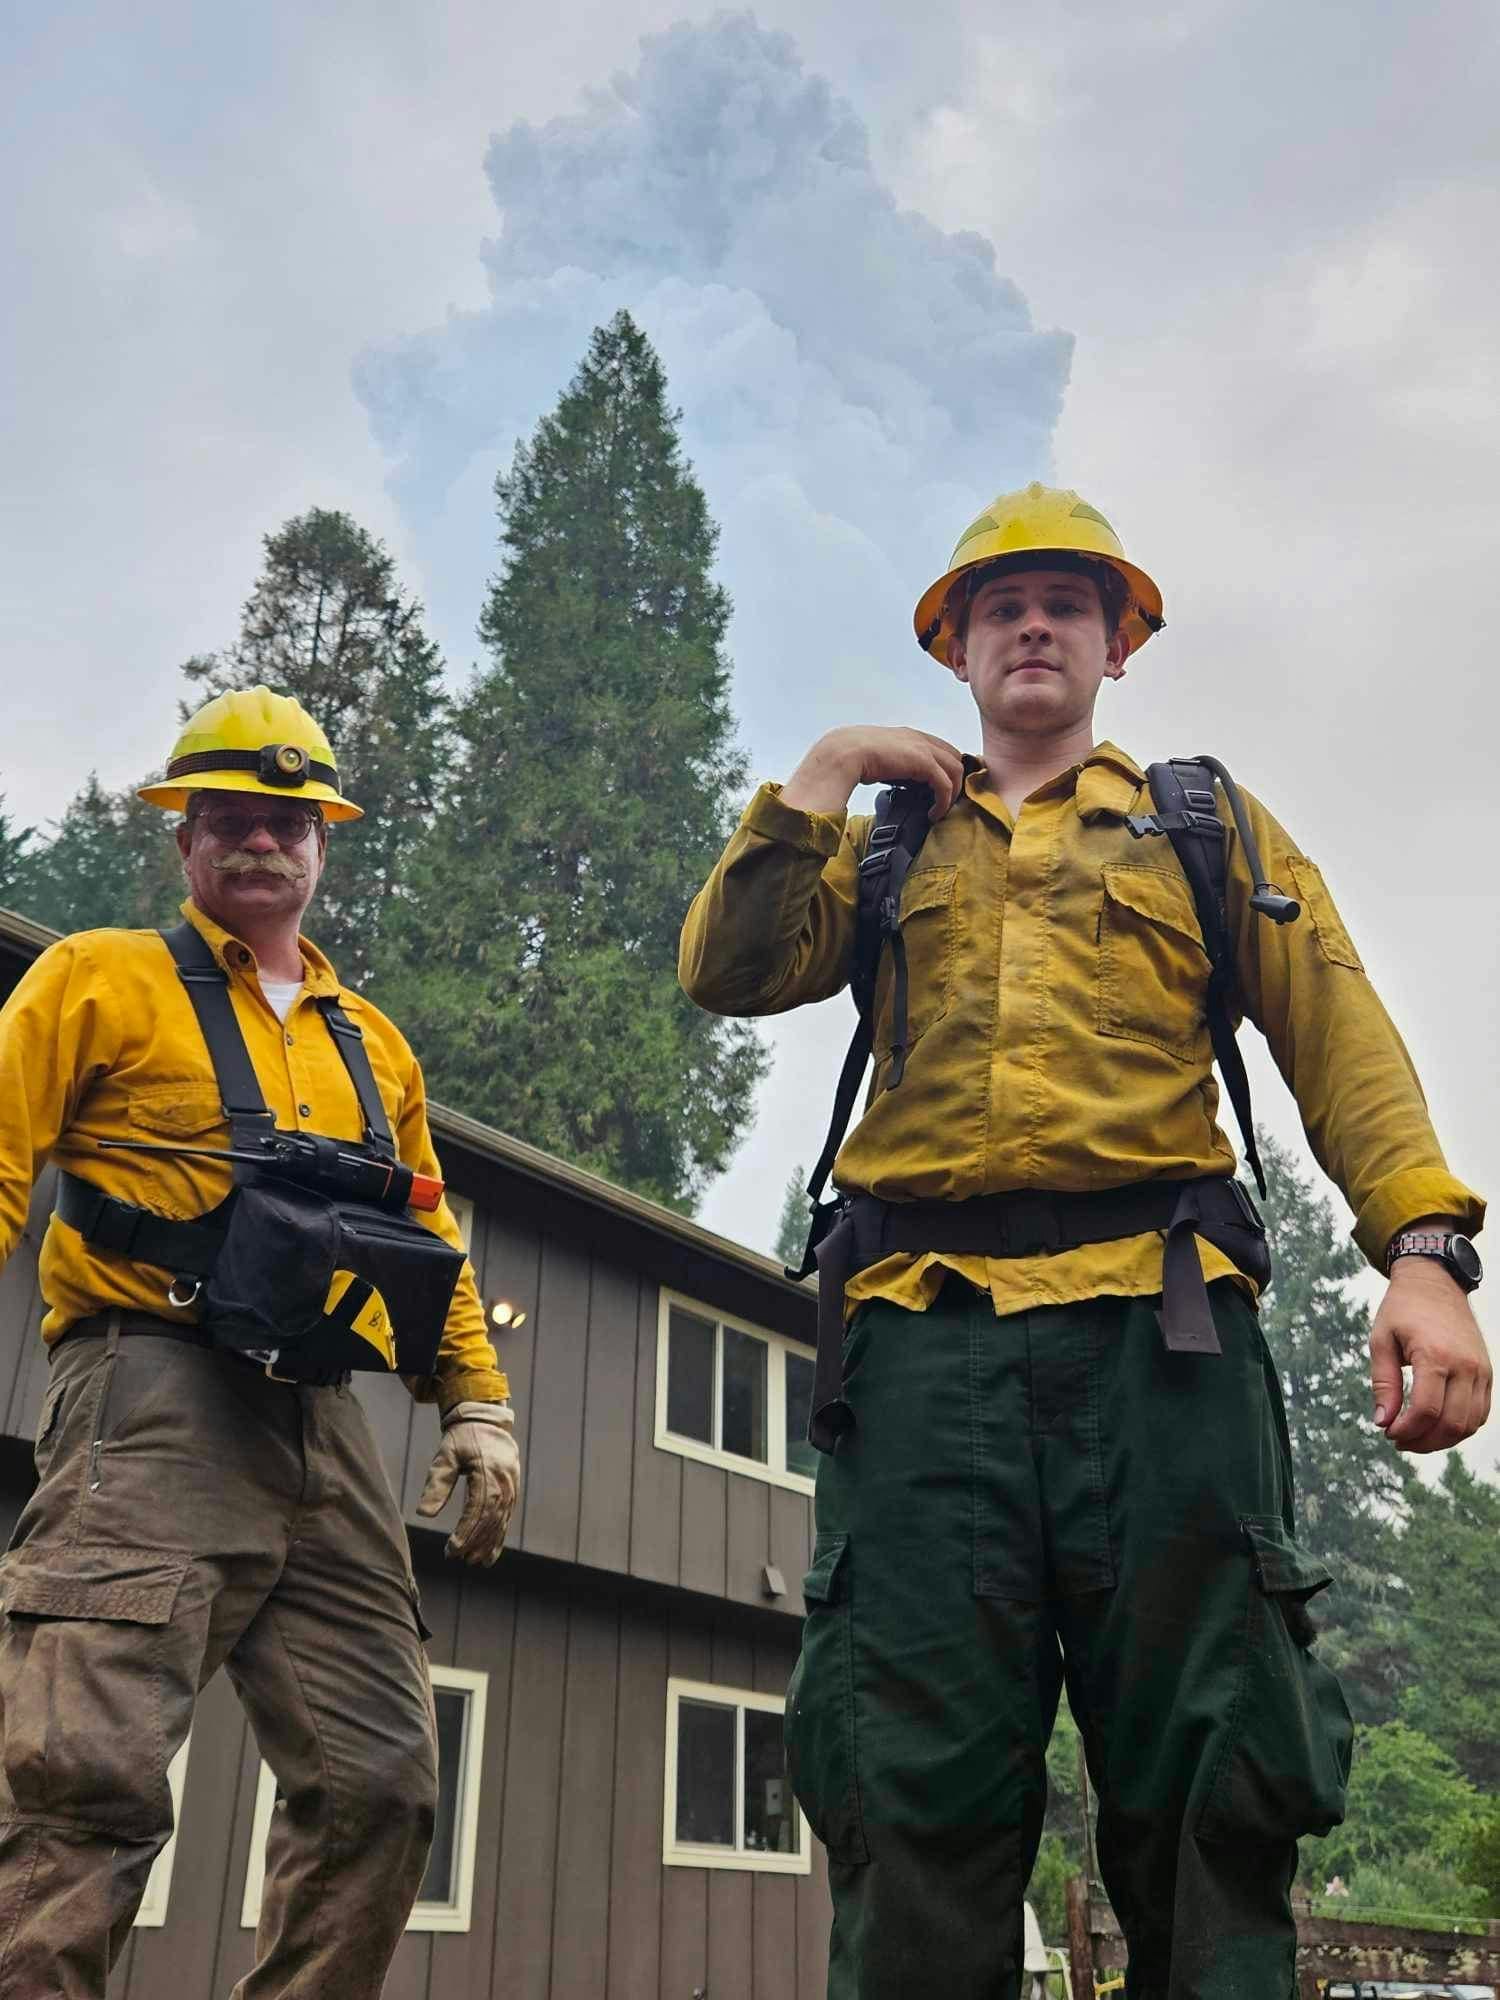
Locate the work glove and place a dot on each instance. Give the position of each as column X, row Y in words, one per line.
column 478, row 1443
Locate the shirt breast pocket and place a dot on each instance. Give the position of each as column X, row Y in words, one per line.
column 1153, row 969
column 176, row 1111
column 928, row 931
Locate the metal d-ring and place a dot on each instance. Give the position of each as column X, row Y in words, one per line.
column 192, row 1297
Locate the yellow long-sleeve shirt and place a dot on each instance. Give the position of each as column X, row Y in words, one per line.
column 1058, row 1033
column 99, row 1041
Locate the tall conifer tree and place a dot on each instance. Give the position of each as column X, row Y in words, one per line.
column 107, row 861
column 14, row 842
column 537, row 961
column 329, row 624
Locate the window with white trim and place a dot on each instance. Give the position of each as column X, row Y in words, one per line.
column 729, row 1798
column 446, row 1897
column 462, row 1210
column 152, row 1913
column 733, row 1394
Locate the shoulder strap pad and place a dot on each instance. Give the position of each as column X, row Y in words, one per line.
column 1182, row 790
column 901, row 825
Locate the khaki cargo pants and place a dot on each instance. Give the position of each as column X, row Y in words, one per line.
column 193, row 1514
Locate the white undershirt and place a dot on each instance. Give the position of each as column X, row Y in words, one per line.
column 280, row 993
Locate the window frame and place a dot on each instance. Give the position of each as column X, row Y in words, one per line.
column 774, row 1470
column 461, row 1208
column 152, row 1914
column 454, row 1916
column 677, row 1853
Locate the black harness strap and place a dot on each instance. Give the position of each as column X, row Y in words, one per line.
column 350, row 1042
column 901, row 825
column 1187, row 813
column 244, row 1102
column 192, row 1248
column 207, row 985
column 188, row 1249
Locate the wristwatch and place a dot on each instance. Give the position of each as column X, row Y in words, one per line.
column 1453, row 1251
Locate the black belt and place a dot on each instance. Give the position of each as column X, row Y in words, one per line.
column 1025, row 1224
column 132, row 1321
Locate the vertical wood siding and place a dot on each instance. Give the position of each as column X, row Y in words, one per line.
column 582, row 1368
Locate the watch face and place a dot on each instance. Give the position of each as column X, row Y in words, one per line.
column 1465, row 1260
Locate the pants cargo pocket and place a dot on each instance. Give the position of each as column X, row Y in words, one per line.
column 83, row 1683
column 820, row 1734
column 1284, row 1765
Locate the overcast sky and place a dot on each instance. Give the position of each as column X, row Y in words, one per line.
column 1228, row 269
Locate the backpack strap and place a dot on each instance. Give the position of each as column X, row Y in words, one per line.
column 1182, row 791
column 901, row 825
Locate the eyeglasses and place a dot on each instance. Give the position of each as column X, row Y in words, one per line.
column 288, row 825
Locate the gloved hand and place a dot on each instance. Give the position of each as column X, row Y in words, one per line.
column 478, row 1443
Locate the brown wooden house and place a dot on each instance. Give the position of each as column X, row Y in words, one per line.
column 615, row 1815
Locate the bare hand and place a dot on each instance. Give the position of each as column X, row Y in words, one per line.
column 866, row 754
column 1425, row 1323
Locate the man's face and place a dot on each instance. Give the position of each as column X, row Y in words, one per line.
column 248, row 857
column 1036, row 649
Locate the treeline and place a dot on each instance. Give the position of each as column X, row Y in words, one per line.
column 514, row 892
column 1412, row 1623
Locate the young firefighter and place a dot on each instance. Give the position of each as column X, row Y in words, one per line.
column 1052, row 1457
column 205, row 1501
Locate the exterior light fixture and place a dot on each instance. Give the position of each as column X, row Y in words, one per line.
column 503, row 1313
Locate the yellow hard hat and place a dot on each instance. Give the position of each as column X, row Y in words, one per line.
column 251, row 740
column 1039, row 520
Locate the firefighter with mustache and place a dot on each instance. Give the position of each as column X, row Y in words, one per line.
column 249, row 1213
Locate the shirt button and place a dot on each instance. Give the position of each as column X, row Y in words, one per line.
column 289, row 1041
column 304, row 1110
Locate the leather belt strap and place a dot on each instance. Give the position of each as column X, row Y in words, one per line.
column 1027, row 1223
column 123, row 1321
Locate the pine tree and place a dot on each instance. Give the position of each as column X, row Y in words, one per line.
column 109, row 860
column 1351, row 1486
column 14, row 842
column 329, row 624
column 537, row 953
column 791, row 1231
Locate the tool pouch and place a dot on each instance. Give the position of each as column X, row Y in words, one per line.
column 326, row 1285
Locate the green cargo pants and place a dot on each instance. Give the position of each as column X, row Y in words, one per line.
column 1043, row 1498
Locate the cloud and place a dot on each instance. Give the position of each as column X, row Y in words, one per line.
column 849, row 373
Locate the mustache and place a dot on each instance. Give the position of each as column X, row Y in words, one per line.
column 240, row 863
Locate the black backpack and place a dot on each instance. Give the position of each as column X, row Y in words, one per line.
column 1182, row 791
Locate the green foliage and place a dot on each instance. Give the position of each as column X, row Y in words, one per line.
column 1406, row 1797
column 791, row 1231
column 1449, row 1560
column 1407, row 1890
column 328, row 623
column 109, row 860
column 534, row 961
column 1479, row 1854
column 1062, row 1848
column 1047, row 1890
column 1352, row 1488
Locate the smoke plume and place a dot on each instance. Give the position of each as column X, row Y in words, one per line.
column 853, row 380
